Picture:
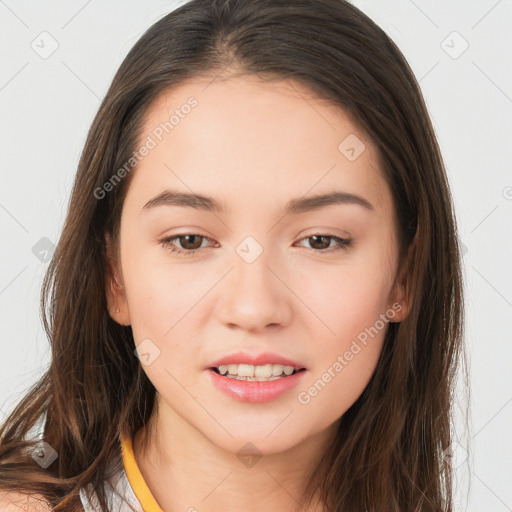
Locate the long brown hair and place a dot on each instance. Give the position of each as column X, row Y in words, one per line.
column 390, row 450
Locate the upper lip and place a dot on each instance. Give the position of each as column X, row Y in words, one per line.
column 255, row 359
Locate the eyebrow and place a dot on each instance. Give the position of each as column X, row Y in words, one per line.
column 294, row 206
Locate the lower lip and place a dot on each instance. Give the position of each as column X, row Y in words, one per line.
column 255, row 391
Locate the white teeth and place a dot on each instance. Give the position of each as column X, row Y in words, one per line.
column 277, row 369
column 254, row 379
column 263, row 371
column 255, row 372
column 245, row 370
column 288, row 370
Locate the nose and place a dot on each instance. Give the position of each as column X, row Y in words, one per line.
column 255, row 295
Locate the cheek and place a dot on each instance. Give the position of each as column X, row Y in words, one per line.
column 347, row 353
column 346, row 298
column 163, row 301
column 350, row 300
column 160, row 294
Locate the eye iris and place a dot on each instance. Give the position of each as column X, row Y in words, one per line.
column 325, row 245
column 186, row 245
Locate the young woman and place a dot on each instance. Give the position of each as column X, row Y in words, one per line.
column 256, row 300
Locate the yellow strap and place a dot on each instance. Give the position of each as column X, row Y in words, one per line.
column 137, row 482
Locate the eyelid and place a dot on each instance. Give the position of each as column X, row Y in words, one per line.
column 334, row 232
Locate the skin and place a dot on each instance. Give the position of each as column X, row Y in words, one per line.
column 255, row 146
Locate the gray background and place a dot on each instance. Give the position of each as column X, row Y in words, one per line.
column 48, row 101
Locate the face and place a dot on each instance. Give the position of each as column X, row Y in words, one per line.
column 260, row 267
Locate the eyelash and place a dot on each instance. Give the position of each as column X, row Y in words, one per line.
column 343, row 243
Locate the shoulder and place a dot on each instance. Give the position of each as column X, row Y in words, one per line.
column 21, row 502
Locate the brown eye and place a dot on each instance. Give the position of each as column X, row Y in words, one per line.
column 322, row 243
column 188, row 243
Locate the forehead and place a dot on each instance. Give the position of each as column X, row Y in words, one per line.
column 260, row 141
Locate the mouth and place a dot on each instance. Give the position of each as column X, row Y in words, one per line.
column 256, row 383
column 256, row 373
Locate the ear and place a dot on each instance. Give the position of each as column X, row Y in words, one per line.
column 401, row 296
column 114, row 287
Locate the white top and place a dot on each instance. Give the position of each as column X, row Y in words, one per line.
column 119, row 494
